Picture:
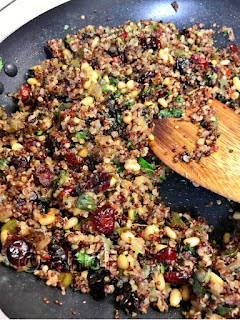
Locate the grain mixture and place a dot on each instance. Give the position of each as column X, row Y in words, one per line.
column 79, row 185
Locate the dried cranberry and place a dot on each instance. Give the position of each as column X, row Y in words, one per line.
column 166, row 254
column 45, row 175
column 176, row 277
column 103, row 219
column 58, row 256
column 145, row 77
column 26, row 93
column 201, row 61
column 116, row 59
column 19, row 162
column 17, row 251
column 99, row 182
column 124, row 36
column 65, row 193
column 233, row 48
column 71, row 160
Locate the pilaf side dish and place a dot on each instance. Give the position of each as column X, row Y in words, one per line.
column 79, row 185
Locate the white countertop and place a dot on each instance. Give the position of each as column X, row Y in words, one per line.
column 19, row 12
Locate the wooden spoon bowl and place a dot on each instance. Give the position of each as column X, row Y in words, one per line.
column 220, row 172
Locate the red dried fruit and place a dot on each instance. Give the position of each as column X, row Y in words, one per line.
column 166, row 254
column 124, row 36
column 17, row 251
column 71, row 160
column 26, row 93
column 233, row 48
column 201, row 61
column 45, row 175
column 103, row 219
column 19, row 162
column 176, row 277
column 116, row 59
column 65, row 193
column 99, row 182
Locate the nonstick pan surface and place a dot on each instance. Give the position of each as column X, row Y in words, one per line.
column 21, row 294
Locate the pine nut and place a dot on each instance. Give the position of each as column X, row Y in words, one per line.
column 175, row 297
column 95, row 42
column 132, row 164
column 67, row 53
column 226, row 237
column 160, row 246
column 122, row 262
column 192, row 241
column 170, row 233
column 83, row 153
column 121, row 85
column 160, row 282
column 215, row 279
column 127, row 117
column 235, row 95
column 134, row 93
column 127, row 236
column 185, row 292
column 46, row 219
column 71, row 223
column 32, row 81
column 130, row 85
column 16, row 146
column 4, row 235
column 163, row 102
column 149, row 232
column 236, row 83
column 87, row 101
column 113, row 181
column 236, row 215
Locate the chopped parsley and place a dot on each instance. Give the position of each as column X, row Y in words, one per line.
column 106, row 30
column 113, row 81
column 89, row 261
column 121, row 41
column 40, row 132
column 191, row 92
column 163, row 178
column 1, row 63
column 170, row 113
column 66, row 27
column 221, row 310
column 81, row 135
column 207, row 276
column 119, row 116
column 162, row 268
column 69, row 40
column 145, row 165
column 188, row 248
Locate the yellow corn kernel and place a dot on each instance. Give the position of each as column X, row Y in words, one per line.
column 170, row 233
column 236, row 83
column 70, row 223
column 122, row 262
column 163, row 102
column 215, row 279
column 4, row 235
column 83, row 153
column 192, row 241
column 175, row 298
column 160, row 282
column 16, row 146
column 87, row 101
column 46, row 219
column 32, row 81
column 151, row 137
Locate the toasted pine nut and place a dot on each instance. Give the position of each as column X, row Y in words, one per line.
column 130, row 85
column 4, row 235
column 149, row 231
column 192, row 241
column 170, row 233
column 226, row 237
column 185, row 292
column 235, row 95
column 132, row 164
column 151, row 137
column 87, row 101
column 127, row 117
column 163, row 102
column 46, row 219
column 160, row 282
column 160, row 246
column 175, row 297
column 127, row 236
column 32, row 81
column 134, row 93
column 122, row 262
column 121, row 85
column 215, row 279
column 113, row 181
column 236, row 83
column 71, row 223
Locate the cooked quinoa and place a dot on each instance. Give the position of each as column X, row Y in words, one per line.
column 79, row 184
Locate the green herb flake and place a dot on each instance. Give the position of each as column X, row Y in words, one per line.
column 3, row 164
column 66, row 27
column 6, row 262
column 197, row 288
column 231, row 253
column 129, row 103
column 223, row 82
column 113, row 81
column 81, row 135
column 106, row 88
column 198, row 49
column 162, row 268
column 145, row 165
column 137, row 251
column 221, row 310
column 162, row 178
column 169, row 93
column 225, row 33
column 1, row 63
column 86, row 202
column 87, row 260
column 40, row 132
column 117, row 94
column 155, row 87
column 106, row 30
column 69, row 40
column 121, row 41
column 55, row 181
column 119, row 116
column 170, row 113
column 75, row 63
column 117, row 164
column 191, row 92
column 188, row 248
column 207, row 276
column 176, row 220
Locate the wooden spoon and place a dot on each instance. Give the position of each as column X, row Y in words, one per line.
column 220, row 172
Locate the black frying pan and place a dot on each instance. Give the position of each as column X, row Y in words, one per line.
column 21, row 294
